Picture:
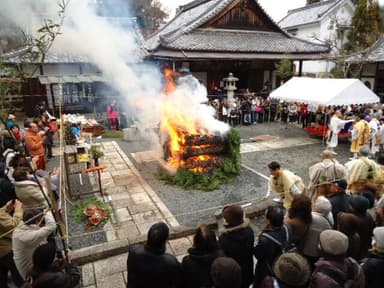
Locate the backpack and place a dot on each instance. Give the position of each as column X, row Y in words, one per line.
column 348, row 282
column 287, row 246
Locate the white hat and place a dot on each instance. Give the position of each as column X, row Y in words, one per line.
column 333, row 242
column 378, row 233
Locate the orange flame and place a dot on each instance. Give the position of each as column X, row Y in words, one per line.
column 177, row 124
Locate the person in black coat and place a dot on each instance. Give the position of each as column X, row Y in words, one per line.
column 196, row 266
column 48, row 271
column 237, row 240
column 267, row 249
column 373, row 265
column 338, row 198
column 149, row 266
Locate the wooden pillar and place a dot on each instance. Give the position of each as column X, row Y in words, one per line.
column 300, row 68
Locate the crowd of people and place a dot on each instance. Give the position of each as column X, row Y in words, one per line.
column 27, row 225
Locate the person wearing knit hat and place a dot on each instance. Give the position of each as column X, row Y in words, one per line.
column 237, row 240
column 10, row 121
column 359, row 204
column 334, row 265
column 373, row 265
column 292, row 270
column 226, row 273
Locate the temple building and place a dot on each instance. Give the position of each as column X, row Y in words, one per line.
column 213, row 38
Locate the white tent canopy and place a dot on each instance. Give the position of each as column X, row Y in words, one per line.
column 325, row 91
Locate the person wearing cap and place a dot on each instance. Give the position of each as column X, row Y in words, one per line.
column 11, row 121
column 285, row 183
column 361, row 171
column 336, row 124
column 360, row 135
column 323, row 172
column 339, row 198
column 237, row 239
column 334, row 265
column 291, row 270
column 365, row 224
column 149, row 265
column 373, row 265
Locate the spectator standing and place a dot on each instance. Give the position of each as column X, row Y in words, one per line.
column 271, row 242
column 347, row 224
column 291, row 270
column 48, row 271
column 11, row 121
column 373, row 265
column 300, row 218
column 10, row 216
column 284, row 115
column 365, row 224
column 36, row 227
column 35, row 145
column 334, row 265
column 7, row 189
column 113, row 116
column 196, row 266
column 237, row 240
column 149, row 265
column 322, row 219
column 226, row 273
column 339, row 199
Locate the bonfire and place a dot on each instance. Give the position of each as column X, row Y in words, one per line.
column 193, row 141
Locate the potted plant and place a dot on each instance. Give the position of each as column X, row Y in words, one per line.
column 96, row 153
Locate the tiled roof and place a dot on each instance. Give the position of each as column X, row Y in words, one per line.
column 375, row 53
column 307, row 14
column 183, row 33
column 242, row 41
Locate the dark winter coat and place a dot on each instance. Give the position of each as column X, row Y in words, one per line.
column 340, row 203
column 373, row 267
column 148, row 268
column 365, row 227
column 237, row 243
column 321, row 280
column 266, row 252
column 196, row 268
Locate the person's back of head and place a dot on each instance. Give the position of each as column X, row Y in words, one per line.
column 275, row 215
column 43, row 256
column 226, row 273
column 157, row 237
column 20, row 174
column 32, row 216
column 301, row 207
column 292, row 269
column 205, row 239
column 333, row 244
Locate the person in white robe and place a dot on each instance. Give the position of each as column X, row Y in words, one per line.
column 335, row 126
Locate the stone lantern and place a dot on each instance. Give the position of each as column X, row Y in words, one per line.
column 230, row 87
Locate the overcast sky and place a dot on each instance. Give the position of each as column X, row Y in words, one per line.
column 277, row 9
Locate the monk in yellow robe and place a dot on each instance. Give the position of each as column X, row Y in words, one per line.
column 285, row 183
column 360, row 135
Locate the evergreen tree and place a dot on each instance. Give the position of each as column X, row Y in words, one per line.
column 364, row 27
column 284, row 69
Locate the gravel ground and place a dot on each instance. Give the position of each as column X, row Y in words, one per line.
column 190, row 206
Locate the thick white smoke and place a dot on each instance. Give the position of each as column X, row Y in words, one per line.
column 114, row 51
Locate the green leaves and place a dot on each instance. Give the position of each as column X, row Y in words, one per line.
column 226, row 172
